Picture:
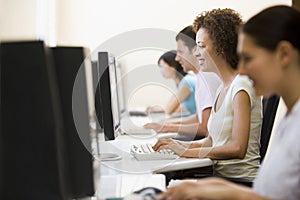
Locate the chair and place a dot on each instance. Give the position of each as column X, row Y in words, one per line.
column 269, row 112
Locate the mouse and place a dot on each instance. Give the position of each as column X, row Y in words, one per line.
column 149, row 192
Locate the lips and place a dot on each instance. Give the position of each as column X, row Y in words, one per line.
column 201, row 61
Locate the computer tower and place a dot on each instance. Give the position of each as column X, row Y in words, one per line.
column 33, row 162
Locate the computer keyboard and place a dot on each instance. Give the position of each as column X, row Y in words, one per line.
column 146, row 152
column 138, row 131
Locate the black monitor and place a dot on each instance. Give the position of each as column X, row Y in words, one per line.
column 1, row 145
column 39, row 159
column 69, row 65
column 97, row 99
column 108, row 97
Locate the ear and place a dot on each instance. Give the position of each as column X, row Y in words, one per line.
column 194, row 49
column 284, row 51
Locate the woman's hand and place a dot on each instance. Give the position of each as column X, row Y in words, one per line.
column 161, row 144
column 157, row 127
column 171, row 144
column 209, row 188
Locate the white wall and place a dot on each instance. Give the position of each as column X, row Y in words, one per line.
column 91, row 23
column 17, row 19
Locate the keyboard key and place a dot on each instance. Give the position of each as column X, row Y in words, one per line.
column 146, row 152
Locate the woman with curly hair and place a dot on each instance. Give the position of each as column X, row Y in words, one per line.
column 233, row 140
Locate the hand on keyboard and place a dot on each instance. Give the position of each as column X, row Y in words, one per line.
column 171, row 144
column 146, row 152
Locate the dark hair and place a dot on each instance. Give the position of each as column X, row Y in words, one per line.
column 222, row 27
column 273, row 25
column 169, row 58
column 188, row 36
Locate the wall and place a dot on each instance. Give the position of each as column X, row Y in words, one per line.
column 17, row 19
column 91, row 23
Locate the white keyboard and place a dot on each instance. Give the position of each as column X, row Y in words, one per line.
column 138, row 131
column 146, row 152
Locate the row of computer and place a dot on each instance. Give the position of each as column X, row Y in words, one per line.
column 45, row 150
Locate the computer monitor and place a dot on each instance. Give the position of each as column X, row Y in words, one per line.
column 1, row 155
column 69, row 65
column 97, row 99
column 120, row 88
column 108, row 95
column 39, row 159
column 115, row 98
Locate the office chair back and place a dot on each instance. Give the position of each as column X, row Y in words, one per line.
column 270, row 105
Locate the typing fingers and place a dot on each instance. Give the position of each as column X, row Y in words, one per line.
column 160, row 143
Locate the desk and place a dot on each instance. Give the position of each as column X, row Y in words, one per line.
column 128, row 164
column 122, row 177
column 125, row 184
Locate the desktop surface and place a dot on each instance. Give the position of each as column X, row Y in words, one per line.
column 116, row 186
column 128, row 164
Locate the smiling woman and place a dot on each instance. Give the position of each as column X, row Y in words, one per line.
column 235, row 119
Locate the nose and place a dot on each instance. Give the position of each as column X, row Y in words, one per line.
column 197, row 51
column 177, row 57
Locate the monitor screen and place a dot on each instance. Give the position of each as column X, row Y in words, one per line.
column 120, row 89
column 114, row 93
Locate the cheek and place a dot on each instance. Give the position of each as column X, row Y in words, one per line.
column 264, row 77
column 168, row 72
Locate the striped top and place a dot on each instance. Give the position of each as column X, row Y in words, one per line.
column 220, row 129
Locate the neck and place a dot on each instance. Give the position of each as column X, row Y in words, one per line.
column 196, row 66
column 227, row 74
column 290, row 90
column 177, row 80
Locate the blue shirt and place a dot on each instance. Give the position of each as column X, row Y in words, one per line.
column 189, row 81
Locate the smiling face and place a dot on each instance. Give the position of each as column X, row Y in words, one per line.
column 186, row 57
column 260, row 65
column 205, row 52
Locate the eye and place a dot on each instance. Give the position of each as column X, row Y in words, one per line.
column 247, row 59
column 201, row 46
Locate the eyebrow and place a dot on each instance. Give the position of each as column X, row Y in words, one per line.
column 242, row 54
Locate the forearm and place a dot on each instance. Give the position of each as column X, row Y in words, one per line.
column 190, row 119
column 224, row 152
column 194, row 148
column 203, row 149
column 246, row 193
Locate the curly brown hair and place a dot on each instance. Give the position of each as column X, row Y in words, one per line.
column 222, row 28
